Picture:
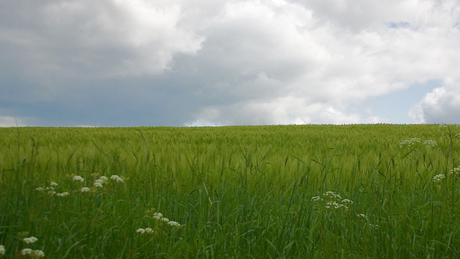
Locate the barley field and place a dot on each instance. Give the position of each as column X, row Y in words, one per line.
column 303, row 191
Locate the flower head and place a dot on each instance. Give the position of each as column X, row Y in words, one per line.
column 2, row 250
column 30, row 240
column 103, row 178
column 26, row 251
column 54, row 184
column 98, row 184
column 438, row 178
column 430, row 143
column 78, row 178
column 62, row 194
column 85, row 189
column 117, row 178
column 157, row 215
column 140, row 230
column 38, row 253
column 173, row 224
column 35, row 253
column 316, row 198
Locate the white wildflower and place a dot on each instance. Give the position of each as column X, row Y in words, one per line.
column 103, row 179
column 85, row 189
column 347, row 201
column 362, row 216
column 117, row 178
column 30, row 240
column 173, row 224
column 430, row 143
column 438, row 178
column 165, row 219
column 49, row 188
column 98, row 185
column 332, row 204
column 157, row 215
column 332, row 195
column 455, row 171
column 51, row 193
column 316, row 198
column 62, row 194
column 140, row 230
column 78, row 178
column 40, row 189
column 26, row 251
column 2, row 250
column 409, row 142
column 38, row 253
column 374, row 226
column 54, row 184
column 148, row 230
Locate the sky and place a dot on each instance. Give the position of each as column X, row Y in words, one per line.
column 228, row 62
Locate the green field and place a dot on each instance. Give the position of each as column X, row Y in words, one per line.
column 306, row 191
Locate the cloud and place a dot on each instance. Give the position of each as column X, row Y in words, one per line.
column 442, row 105
column 325, row 55
column 219, row 62
column 87, row 39
column 9, row 122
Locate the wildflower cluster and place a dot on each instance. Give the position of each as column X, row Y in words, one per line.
column 430, row 143
column 30, row 240
column 373, row 226
column 85, row 189
column 333, row 200
column 29, row 251
column 99, row 182
column 2, row 250
column 438, row 178
column 455, row 171
column 409, row 142
column 416, row 141
column 363, row 216
column 51, row 191
column 457, row 135
column 158, row 216
column 117, row 178
column 78, row 178
column 366, row 218
column 33, row 253
column 145, row 231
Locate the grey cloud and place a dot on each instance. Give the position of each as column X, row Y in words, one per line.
column 95, row 39
column 216, row 62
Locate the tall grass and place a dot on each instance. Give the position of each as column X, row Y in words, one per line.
column 310, row 191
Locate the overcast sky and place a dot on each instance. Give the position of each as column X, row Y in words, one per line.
column 228, row 62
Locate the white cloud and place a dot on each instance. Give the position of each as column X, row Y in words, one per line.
column 285, row 110
column 6, row 121
column 325, row 54
column 442, row 105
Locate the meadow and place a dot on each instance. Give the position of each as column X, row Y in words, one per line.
column 298, row 191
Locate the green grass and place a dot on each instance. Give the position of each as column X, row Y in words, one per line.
column 238, row 192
